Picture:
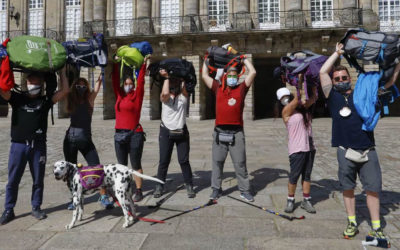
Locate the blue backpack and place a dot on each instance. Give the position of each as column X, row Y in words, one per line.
column 144, row 47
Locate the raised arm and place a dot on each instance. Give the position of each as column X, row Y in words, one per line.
column 394, row 77
column 165, row 94
column 290, row 108
column 326, row 81
column 252, row 73
column 206, row 78
column 63, row 92
column 96, row 90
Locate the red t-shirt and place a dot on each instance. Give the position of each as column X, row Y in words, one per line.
column 229, row 104
column 128, row 106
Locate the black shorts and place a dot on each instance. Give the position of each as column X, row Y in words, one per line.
column 301, row 163
column 369, row 172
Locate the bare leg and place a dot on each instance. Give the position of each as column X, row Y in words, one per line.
column 373, row 204
column 350, row 202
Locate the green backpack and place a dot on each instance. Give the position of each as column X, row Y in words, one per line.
column 36, row 53
column 130, row 57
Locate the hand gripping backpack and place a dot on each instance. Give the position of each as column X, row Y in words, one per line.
column 31, row 53
column 376, row 47
column 130, row 57
column 292, row 66
column 87, row 53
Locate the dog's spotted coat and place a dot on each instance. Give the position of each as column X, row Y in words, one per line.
column 116, row 176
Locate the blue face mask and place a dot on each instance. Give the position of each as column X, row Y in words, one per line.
column 342, row 87
column 232, row 81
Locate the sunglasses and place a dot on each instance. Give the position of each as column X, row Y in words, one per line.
column 344, row 78
column 80, row 86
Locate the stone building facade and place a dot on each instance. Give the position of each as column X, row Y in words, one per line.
column 262, row 29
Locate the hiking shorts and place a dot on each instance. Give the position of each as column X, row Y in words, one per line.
column 301, row 163
column 369, row 172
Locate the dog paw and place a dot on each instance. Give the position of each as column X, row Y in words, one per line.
column 68, row 227
column 131, row 219
column 125, row 225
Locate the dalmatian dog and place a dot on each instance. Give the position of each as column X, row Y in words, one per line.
column 116, row 176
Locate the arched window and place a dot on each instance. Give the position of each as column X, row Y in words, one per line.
column 72, row 19
column 3, row 20
column 218, row 15
column 268, row 14
column 35, row 18
column 389, row 15
column 169, row 16
column 123, row 17
column 321, row 13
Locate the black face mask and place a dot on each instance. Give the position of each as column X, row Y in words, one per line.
column 342, row 87
column 81, row 91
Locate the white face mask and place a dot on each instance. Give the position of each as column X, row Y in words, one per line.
column 33, row 89
column 285, row 101
column 128, row 88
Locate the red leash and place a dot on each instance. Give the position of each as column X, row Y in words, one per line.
column 137, row 217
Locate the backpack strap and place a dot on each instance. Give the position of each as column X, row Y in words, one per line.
column 49, row 55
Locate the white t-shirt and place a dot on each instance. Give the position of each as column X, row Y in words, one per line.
column 173, row 113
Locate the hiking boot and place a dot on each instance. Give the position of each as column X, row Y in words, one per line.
column 306, row 205
column 378, row 233
column 71, row 206
column 8, row 215
column 216, row 193
column 158, row 191
column 138, row 195
column 289, row 206
column 247, row 196
column 190, row 191
column 105, row 202
column 350, row 231
column 38, row 213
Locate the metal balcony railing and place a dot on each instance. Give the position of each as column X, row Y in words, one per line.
column 37, row 32
column 238, row 22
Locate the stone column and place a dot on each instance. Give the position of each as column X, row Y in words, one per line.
column 155, row 13
column 295, row 16
column 248, row 112
column 143, row 25
column 194, row 108
column 191, row 20
column 369, row 17
column 88, row 11
column 241, row 18
column 99, row 16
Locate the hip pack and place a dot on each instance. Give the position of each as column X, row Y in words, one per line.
column 91, row 176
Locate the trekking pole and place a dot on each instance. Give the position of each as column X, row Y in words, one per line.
column 271, row 211
column 209, row 203
column 160, row 202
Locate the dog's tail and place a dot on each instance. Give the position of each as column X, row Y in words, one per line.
column 146, row 177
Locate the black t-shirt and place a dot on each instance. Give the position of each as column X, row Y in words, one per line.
column 29, row 117
column 347, row 131
column 82, row 116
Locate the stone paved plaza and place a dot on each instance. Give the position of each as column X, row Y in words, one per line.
column 227, row 225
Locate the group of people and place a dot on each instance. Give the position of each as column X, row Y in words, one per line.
column 28, row 142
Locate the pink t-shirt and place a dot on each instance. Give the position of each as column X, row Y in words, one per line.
column 298, row 135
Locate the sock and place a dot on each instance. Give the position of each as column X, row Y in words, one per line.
column 376, row 224
column 306, row 196
column 290, row 197
column 352, row 219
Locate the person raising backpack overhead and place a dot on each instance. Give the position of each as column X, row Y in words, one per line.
column 28, row 140
column 297, row 118
column 173, row 130
column 79, row 134
column 129, row 135
column 228, row 131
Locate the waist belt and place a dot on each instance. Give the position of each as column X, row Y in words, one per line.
column 128, row 130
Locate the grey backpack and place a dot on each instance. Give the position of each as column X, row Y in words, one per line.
column 375, row 46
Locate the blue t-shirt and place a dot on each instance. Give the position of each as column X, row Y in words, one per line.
column 346, row 131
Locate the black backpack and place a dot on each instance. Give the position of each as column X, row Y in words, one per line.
column 221, row 58
column 175, row 67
